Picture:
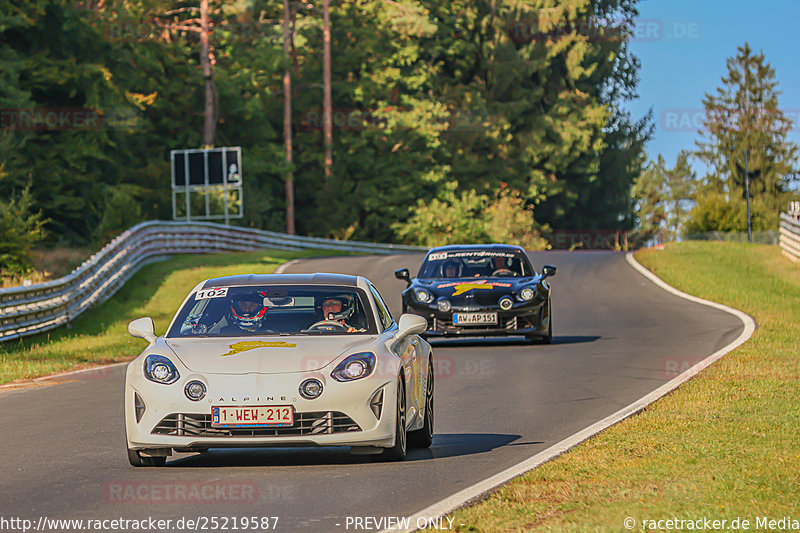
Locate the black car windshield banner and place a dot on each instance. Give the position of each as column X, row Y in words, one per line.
column 438, row 256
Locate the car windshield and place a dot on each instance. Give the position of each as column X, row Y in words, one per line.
column 475, row 264
column 274, row 310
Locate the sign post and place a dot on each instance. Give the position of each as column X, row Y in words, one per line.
column 207, row 184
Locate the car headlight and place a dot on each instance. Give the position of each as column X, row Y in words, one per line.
column 159, row 369
column 422, row 295
column 310, row 389
column 444, row 305
column 195, row 390
column 356, row 366
column 506, row 303
column 527, row 294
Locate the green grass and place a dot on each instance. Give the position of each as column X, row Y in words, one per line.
column 724, row 445
column 101, row 334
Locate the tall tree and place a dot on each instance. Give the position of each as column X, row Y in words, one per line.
column 648, row 192
column 680, row 184
column 743, row 119
column 287, row 115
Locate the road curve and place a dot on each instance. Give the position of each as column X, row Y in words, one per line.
column 616, row 338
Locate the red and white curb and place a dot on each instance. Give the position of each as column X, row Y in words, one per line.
column 465, row 496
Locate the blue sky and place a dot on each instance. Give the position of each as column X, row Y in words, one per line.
column 683, row 45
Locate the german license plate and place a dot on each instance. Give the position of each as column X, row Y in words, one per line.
column 471, row 319
column 256, row 416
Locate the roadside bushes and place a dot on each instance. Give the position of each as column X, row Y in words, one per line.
column 471, row 218
column 20, row 229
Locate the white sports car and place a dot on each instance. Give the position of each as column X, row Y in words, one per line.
column 280, row 360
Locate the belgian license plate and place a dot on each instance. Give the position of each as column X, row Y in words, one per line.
column 470, row 319
column 256, row 416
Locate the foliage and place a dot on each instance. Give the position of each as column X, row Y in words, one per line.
column 743, row 120
column 466, row 217
column 425, row 94
column 649, row 195
column 20, row 229
column 716, row 211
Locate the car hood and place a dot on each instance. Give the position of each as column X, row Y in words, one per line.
column 266, row 355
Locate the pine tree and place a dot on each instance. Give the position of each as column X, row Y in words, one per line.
column 743, row 119
column 680, row 187
column 649, row 195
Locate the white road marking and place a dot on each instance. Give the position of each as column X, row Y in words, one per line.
column 286, row 265
column 463, row 497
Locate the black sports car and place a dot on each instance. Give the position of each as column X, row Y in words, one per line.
column 480, row 290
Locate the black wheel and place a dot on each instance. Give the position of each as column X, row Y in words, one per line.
column 548, row 339
column 423, row 437
column 398, row 451
column 136, row 459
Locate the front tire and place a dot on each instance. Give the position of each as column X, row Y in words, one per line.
column 548, row 337
column 398, row 451
column 423, row 438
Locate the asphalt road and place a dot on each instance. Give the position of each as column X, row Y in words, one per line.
column 616, row 337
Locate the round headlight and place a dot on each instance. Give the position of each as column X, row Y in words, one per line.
column 195, row 390
column 355, row 369
column 423, row 295
column 506, row 303
column 160, row 371
column 443, row 305
column 356, row 366
column 527, row 293
column 310, row 389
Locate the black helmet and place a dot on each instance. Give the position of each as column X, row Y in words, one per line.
column 451, row 263
column 247, row 310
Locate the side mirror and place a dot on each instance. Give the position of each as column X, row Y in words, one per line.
column 548, row 270
column 143, row 328
column 404, row 274
column 410, row 325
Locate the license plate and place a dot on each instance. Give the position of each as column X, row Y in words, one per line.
column 256, row 416
column 469, row 319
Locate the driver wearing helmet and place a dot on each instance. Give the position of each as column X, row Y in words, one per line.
column 450, row 268
column 340, row 308
column 247, row 311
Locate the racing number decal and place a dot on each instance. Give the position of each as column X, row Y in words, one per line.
column 219, row 292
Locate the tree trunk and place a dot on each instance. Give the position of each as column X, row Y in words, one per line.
column 287, row 118
column 327, row 105
column 209, row 112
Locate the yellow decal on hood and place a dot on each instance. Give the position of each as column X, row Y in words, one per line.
column 244, row 346
column 461, row 288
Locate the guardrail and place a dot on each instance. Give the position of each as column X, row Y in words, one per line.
column 44, row 306
column 790, row 236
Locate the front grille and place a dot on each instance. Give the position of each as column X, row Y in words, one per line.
column 193, row 425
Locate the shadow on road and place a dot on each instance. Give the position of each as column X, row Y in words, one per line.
column 508, row 341
column 444, row 445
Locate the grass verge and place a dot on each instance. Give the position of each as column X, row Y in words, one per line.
column 100, row 335
column 722, row 446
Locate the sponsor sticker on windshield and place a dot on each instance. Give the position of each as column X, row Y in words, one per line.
column 471, row 253
column 218, row 292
